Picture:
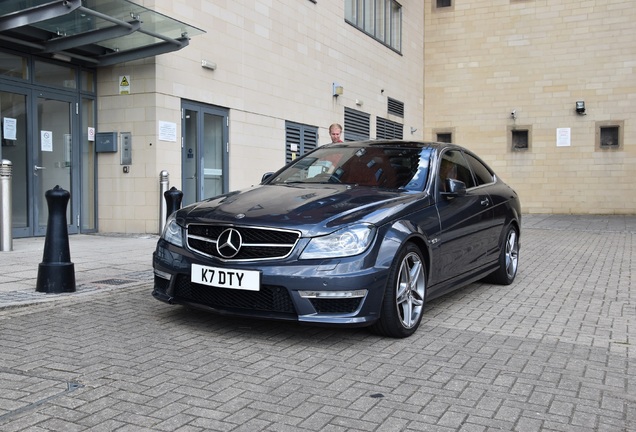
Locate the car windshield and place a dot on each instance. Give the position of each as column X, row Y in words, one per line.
column 399, row 167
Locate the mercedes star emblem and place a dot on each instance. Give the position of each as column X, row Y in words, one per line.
column 229, row 243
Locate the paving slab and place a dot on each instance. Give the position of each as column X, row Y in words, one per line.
column 554, row 351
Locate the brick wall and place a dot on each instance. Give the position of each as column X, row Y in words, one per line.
column 487, row 58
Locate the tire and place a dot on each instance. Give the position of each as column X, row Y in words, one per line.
column 404, row 295
column 508, row 259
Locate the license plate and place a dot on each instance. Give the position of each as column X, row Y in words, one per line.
column 249, row 280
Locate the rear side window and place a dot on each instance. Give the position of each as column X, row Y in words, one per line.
column 482, row 174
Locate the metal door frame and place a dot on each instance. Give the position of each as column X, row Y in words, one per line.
column 32, row 140
column 202, row 109
column 28, row 94
column 74, row 202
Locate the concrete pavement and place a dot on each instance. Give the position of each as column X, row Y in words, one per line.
column 554, row 351
column 101, row 262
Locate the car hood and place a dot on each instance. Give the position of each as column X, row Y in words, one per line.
column 311, row 209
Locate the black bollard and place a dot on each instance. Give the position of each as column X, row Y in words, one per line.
column 173, row 200
column 56, row 273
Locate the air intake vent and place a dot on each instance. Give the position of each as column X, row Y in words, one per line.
column 387, row 129
column 395, row 107
column 357, row 125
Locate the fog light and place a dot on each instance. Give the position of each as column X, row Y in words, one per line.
column 333, row 294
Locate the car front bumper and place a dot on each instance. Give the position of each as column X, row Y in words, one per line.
column 325, row 292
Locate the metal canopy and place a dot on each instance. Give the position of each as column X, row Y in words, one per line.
column 90, row 32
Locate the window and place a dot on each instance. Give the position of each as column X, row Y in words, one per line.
column 444, row 137
column 387, row 129
column 482, row 174
column 381, row 19
column 453, row 165
column 519, row 138
column 55, row 75
column 299, row 139
column 13, row 66
column 443, row 5
column 87, row 80
column 356, row 125
column 609, row 135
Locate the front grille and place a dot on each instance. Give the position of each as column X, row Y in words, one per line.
column 269, row 299
column 257, row 243
column 348, row 305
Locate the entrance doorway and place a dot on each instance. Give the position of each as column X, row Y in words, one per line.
column 53, row 158
column 204, row 158
column 38, row 139
column 47, row 124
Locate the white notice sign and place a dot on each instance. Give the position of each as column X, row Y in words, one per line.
column 563, row 137
column 46, row 140
column 9, row 128
column 167, row 131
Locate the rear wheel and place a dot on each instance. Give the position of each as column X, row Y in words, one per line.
column 508, row 259
column 403, row 303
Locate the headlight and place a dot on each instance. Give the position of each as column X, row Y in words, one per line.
column 348, row 241
column 173, row 233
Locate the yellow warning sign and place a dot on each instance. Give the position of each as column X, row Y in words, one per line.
column 124, row 84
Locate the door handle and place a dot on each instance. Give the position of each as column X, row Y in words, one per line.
column 38, row 168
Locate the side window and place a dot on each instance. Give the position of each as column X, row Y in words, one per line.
column 453, row 165
column 482, row 174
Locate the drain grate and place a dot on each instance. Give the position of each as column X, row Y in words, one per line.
column 114, row 282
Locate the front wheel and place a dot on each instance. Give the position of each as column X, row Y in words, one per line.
column 508, row 259
column 405, row 294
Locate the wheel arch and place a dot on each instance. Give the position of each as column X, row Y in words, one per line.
column 512, row 222
column 400, row 233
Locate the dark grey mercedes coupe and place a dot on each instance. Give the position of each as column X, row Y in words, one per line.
column 353, row 234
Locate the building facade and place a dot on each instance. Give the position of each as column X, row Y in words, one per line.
column 543, row 91
column 103, row 98
column 258, row 84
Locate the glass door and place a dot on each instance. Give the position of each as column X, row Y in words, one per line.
column 190, row 156
column 15, row 136
column 53, row 157
column 204, row 158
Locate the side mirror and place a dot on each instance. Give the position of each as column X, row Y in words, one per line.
column 266, row 177
column 454, row 188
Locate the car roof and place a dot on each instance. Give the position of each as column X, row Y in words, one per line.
column 393, row 143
